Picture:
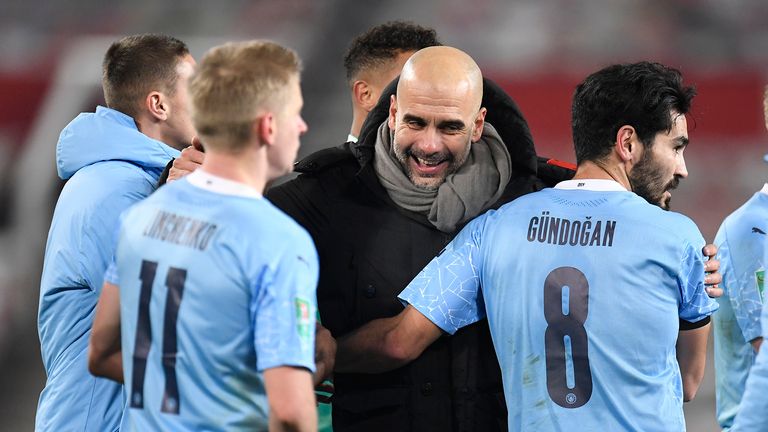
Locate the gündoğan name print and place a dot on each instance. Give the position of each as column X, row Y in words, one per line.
column 575, row 232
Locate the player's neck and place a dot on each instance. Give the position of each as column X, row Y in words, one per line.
column 154, row 129
column 604, row 171
column 246, row 168
column 148, row 127
column 357, row 122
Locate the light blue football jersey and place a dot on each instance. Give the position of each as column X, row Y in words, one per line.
column 753, row 410
column 216, row 286
column 583, row 290
column 741, row 242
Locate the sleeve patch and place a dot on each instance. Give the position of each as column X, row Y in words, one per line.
column 303, row 319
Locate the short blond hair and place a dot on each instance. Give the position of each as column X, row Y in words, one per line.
column 236, row 82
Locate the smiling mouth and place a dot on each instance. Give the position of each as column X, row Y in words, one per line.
column 428, row 167
column 428, row 162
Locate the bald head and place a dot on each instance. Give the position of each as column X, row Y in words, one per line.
column 436, row 115
column 445, row 70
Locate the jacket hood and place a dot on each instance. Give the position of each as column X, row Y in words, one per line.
column 503, row 114
column 107, row 135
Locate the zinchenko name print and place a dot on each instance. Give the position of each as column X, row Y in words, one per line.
column 180, row 230
column 560, row 231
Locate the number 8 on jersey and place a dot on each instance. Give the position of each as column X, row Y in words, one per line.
column 566, row 300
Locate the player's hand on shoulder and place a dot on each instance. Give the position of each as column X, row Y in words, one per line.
column 191, row 158
column 712, row 276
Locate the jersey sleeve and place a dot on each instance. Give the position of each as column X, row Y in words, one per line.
column 741, row 264
column 695, row 303
column 447, row 290
column 754, row 405
column 110, row 276
column 284, row 309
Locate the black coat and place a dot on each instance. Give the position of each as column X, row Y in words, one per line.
column 369, row 250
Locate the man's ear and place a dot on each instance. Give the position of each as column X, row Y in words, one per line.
column 157, row 105
column 363, row 96
column 477, row 126
column 265, row 128
column 627, row 145
column 392, row 112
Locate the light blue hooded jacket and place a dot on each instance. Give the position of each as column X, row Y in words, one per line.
column 109, row 166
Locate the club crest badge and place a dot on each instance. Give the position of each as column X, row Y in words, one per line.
column 303, row 320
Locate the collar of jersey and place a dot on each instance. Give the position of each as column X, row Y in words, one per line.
column 220, row 185
column 601, row 185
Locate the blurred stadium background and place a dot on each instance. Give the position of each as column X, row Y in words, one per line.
column 51, row 51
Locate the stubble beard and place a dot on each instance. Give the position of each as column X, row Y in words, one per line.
column 647, row 181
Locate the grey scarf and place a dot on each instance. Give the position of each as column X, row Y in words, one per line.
column 477, row 184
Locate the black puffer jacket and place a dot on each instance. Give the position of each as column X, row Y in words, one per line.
column 369, row 250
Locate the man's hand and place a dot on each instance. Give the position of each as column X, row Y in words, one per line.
column 191, row 158
column 325, row 354
column 712, row 278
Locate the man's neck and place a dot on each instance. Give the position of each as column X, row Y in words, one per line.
column 147, row 127
column 605, row 171
column 154, row 130
column 246, row 168
column 358, row 118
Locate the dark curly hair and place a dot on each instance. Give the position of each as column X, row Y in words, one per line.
column 385, row 41
column 641, row 95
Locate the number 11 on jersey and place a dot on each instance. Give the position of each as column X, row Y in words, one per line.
column 174, row 280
